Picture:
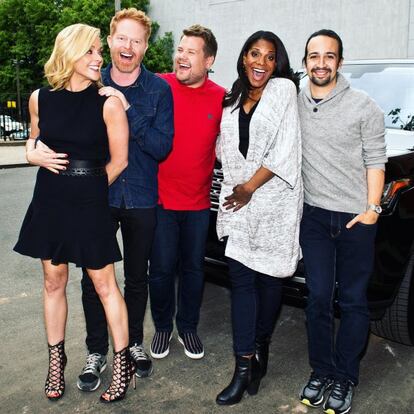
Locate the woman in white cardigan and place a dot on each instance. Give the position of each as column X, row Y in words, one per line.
column 260, row 202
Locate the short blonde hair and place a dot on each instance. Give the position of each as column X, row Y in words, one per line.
column 70, row 45
column 133, row 14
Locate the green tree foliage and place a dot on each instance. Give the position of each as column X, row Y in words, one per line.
column 407, row 125
column 28, row 29
column 158, row 56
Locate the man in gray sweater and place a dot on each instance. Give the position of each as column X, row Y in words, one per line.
column 343, row 175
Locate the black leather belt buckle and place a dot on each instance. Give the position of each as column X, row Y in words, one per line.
column 84, row 172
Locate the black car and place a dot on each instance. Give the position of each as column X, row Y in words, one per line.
column 391, row 288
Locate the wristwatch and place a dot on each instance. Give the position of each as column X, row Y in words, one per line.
column 375, row 207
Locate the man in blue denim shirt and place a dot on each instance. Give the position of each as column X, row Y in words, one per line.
column 133, row 197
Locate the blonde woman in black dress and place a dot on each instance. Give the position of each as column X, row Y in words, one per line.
column 68, row 220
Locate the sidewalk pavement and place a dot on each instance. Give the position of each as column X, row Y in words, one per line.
column 178, row 385
column 12, row 154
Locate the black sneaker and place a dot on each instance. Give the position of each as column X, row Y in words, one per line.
column 313, row 392
column 193, row 347
column 340, row 398
column 142, row 361
column 90, row 378
column 160, row 345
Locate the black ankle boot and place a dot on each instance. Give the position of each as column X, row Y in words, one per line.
column 246, row 377
column 262, row 353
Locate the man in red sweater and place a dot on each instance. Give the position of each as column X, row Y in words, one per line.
column 184, row 181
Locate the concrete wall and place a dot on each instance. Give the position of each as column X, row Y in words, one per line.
column 369, row 28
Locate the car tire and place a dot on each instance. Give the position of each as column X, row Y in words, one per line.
column 397, row 324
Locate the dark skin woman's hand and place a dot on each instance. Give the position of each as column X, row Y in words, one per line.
column 242, row 194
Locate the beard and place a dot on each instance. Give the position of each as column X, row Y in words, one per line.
column 123, row 65
column 322, row 82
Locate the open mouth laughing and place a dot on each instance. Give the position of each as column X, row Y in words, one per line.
column 258, row 74
column 184, row 66
column 127, row 57
column 321, row 72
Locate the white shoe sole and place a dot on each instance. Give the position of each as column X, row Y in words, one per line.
column 189, row 354
column 162, row 355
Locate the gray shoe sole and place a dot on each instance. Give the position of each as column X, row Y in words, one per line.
column 90, row 387
column 316, row 404
column 144, row 374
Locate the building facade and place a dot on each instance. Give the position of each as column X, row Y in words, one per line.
column 370, row 29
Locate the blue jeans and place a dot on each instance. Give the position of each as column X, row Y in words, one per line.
column 255, row 303
column 334, row 255
column 179, row 246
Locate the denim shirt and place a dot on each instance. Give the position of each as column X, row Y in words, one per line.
column 151, row 130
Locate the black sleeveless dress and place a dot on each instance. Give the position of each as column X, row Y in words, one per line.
column 68, row 220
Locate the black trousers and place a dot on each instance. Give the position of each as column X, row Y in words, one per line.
column 137, row 229
column 255, row 303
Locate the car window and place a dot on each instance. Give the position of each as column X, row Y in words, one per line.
column 391, row 86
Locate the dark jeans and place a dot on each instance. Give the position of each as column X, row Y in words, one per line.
column 255, row 303
column 179, row 244
column 137, row 229
column 333, row 255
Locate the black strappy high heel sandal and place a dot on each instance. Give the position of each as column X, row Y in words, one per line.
column 55, row 380
column 123, row 370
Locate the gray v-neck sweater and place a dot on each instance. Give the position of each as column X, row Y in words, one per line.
column 342, row 136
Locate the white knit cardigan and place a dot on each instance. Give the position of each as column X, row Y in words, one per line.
column 264, row 234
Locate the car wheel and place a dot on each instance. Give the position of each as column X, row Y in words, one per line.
column 397, row 324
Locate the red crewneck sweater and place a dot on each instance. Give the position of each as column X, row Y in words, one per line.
column 184, row 178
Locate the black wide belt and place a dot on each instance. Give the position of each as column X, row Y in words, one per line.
column 84, row 168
